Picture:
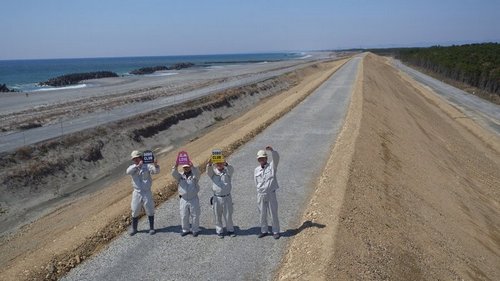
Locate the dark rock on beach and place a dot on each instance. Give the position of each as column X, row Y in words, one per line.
column 5, row 89
column 181, row 65
column 153, row 69
column 75, row 78
column 148, row 70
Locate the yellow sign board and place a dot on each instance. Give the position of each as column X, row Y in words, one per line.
column 217, row 156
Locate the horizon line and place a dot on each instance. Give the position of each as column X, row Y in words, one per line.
column 157, row 56
column 374, row 46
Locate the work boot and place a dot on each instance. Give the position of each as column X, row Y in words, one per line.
column 151, row 225
column 133, row 231
column 262, row 235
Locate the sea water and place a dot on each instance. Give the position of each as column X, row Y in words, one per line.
column 24, row 75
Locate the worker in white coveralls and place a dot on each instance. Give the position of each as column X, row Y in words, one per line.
column 222, row 202
column 142, row 196
column 267, row 184
column 188, row 193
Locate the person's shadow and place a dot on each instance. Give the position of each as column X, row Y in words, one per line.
column 242, row 232
column 178, row 229
column 306, row 224
column 171, row 228
column 288, row 233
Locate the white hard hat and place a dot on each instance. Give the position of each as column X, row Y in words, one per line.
column 135, row 154
column 261, row 154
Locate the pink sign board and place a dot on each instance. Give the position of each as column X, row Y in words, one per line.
column 183, row 158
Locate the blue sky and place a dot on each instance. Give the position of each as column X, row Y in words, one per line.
column 110, row 28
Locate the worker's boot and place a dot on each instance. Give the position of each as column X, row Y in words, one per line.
column 133, row 231
column 151, row 225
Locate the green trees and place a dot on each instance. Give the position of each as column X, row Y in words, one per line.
column 475, row 64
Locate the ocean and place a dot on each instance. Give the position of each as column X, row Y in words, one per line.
column 24, row 75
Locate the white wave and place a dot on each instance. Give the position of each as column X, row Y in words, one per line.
column 48, row 88
column 162, row 74
column 215, row 67
column 305, row 57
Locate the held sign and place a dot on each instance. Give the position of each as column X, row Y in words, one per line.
column 217, row 156
column 148, row 157
column 183, row 158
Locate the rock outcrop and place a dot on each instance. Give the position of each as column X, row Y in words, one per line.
column 153, row 69
column 5, row 89
column 75, row 78
column 181, row 65
column 148, row 70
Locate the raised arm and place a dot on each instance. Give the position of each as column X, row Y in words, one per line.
column 132, row 169
column 196, row 172
column 154, row 168
column 230, row 170
column 176, row 173
column 276, row 158
column 255, row 178
column 210, row 170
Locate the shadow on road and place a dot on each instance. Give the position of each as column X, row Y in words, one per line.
column 288, row 233
column 242, row 232
column 178, row 229
column 306, row 224
column 172, row 228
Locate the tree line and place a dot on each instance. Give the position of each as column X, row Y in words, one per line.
column 475, row 64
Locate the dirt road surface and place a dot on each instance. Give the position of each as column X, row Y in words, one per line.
column 409, row 193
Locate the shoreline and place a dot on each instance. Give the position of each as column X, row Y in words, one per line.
column 136, row 63
column 30, row 119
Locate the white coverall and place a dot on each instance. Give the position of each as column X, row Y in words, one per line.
column 267, row 184
column 222, row 201
column 141, row 182
column 189, row 203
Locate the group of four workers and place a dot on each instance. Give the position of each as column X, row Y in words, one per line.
column 188, row 187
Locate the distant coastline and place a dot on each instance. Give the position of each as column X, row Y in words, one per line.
column 32, row 75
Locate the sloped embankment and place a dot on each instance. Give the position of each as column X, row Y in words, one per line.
column 419, row 200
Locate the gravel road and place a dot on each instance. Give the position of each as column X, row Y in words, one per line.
column 474, row 107
column 303, row 138
column 11, row 141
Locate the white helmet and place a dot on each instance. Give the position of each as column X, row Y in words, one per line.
column 261, row 154
column 135, row 154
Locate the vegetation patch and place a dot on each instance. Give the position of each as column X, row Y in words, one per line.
column 477, row 65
